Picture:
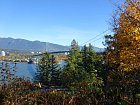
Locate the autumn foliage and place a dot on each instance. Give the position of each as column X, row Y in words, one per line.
column 125, row 45
column 87, row 78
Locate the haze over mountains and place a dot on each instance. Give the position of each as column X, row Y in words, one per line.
column 26, row 45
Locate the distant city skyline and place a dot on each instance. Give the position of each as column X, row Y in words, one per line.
column 56, row 21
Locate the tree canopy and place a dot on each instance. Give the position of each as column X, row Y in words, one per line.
column 125, row 45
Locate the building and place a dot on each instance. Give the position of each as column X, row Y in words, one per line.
column 3, row 53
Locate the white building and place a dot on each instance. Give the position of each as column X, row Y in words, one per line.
column 2, row 53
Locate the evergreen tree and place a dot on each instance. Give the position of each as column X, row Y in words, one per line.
column 48, row 70
column 90, row 60
column 54, row 71
column 74, row 52
column 87, row 59
column 72, row 73
column 43, row 69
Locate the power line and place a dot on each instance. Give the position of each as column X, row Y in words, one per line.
column 103, row 31
column 98, row 38
column 95, row 37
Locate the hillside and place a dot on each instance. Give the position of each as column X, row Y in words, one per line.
column 26, row 45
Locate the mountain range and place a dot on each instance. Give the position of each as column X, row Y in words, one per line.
column 26, row 45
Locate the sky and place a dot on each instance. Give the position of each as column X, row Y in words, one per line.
column 56, row 21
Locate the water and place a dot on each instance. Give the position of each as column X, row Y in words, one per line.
column 26, row 70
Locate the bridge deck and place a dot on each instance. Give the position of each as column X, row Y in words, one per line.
column 56, row 52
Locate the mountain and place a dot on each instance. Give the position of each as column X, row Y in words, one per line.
column 97, row 49
column 26, row 45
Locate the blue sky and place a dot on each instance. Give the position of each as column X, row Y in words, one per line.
column 55, row 21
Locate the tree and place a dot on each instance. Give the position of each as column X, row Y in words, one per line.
column 122, row 57
column 125, row 47
column 7, row 73
column 74, row 52
column 80, row 64
column 48, row 70
column 90, row 60
column 54, row 71
column 72, row 72
column 43, row 69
